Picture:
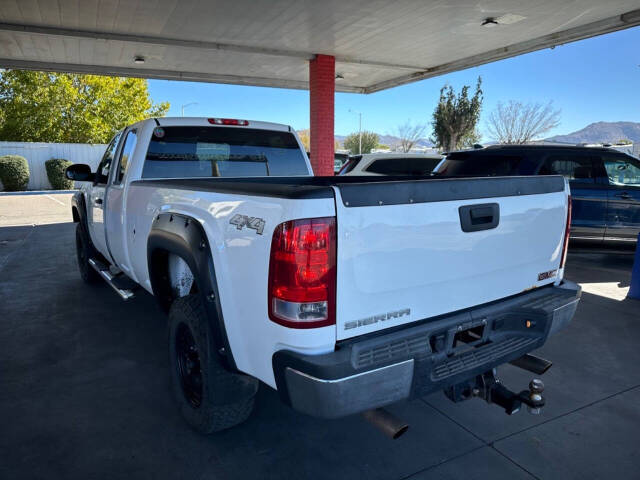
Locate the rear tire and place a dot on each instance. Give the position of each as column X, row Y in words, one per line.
column 210, row 397
column 84, row 251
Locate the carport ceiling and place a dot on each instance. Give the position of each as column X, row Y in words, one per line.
column 377, row 44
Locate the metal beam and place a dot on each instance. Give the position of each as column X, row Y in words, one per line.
column 193, row 44
column 612, row 24
column 164, row 74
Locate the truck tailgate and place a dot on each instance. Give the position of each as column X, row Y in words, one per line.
column 404, row 255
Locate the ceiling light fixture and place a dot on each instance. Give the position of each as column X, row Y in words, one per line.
column 138, row 60
column 489, row 22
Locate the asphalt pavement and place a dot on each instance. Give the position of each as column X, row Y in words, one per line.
column 84, row 388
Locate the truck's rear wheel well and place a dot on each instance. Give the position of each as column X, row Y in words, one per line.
column 180, row 262
column 170, row 281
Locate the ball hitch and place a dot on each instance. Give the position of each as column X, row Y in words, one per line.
column 488, row 387
column 511, row 401
column 536, row 400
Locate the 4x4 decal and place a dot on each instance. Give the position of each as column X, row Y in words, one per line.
column 241, row 221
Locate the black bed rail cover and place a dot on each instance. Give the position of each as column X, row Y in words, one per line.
column 369, row 191
column 437, row 189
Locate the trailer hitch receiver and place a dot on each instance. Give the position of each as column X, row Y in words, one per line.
column 488, row 387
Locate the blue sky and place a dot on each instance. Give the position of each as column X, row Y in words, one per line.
column 591, row 80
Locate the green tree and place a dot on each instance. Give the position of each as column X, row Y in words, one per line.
column 456, row 116
column 474, row 137
column 305, row 138
column 369, row 142
column 71, row 108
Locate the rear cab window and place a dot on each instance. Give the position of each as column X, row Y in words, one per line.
column 192, row 151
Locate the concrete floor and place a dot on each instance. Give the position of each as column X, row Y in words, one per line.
column 34, row 208
column 84, row 390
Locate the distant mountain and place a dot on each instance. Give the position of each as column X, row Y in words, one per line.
column 392, row 140
column 602, row 132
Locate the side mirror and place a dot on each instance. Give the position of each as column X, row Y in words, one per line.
column 79, row 172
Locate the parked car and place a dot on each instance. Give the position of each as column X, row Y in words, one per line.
column 414, row 164
column 344, row 295
column 605, row 183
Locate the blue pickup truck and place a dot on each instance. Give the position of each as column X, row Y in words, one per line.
column 605, row 183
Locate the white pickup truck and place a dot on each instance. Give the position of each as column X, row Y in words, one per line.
column 345, row 294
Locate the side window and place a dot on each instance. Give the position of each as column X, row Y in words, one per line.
column 107, row 159
column 485, row 163
column 575, row 167
column 125, row 155
column 384, row 167
column 622, row 171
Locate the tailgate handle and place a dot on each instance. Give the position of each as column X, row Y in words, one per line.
column 474, row 218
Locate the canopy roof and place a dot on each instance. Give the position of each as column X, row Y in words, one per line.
column 377, row 44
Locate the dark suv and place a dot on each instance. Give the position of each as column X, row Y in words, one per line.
column 605, row 183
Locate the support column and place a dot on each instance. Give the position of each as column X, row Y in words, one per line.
column 322, row 85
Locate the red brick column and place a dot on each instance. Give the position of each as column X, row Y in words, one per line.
column 322, row 78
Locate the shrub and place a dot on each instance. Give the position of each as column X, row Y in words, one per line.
column 14, row 172
column 55, row 173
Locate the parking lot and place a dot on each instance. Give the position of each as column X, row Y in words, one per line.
column 84, row 388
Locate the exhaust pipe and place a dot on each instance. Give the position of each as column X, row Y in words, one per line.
column 386, row 422
column 532, row 364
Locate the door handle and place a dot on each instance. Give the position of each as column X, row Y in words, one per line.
column 98, row 201
column 481, row 215
column 623, row 195
column 474, row 218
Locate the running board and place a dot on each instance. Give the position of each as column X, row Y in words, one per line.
column 532, row 363
column 105, row 273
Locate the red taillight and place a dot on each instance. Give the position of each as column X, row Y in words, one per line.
column 302, row 273
column 228, row 121
column 567, row 231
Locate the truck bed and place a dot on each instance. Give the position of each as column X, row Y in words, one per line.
column 402, row 254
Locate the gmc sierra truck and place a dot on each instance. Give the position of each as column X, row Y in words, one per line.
column 345, row 294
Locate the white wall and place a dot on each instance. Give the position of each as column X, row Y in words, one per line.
column 38, row 153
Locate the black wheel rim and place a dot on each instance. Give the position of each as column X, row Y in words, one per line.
column 188, row 366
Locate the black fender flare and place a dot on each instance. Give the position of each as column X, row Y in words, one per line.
column 78, row 204
column 184, row 236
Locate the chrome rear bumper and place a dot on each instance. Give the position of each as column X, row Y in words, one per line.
column 419, row 359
